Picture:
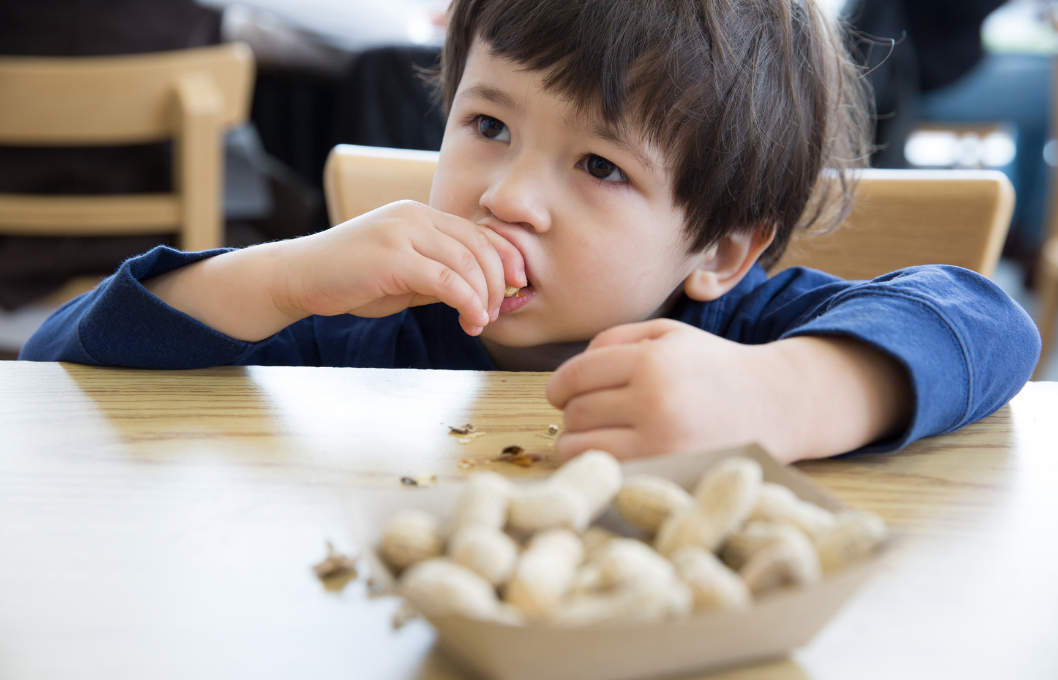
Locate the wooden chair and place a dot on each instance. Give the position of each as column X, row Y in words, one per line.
column 188, row 96
column 902, row 217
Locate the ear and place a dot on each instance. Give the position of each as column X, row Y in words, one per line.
column 724, row 265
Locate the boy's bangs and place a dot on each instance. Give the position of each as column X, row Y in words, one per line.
column 748, row 101
column 592, row 53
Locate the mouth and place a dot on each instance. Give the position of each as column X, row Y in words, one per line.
column 520, row 298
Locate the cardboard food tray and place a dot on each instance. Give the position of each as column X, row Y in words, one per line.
column 776, row 624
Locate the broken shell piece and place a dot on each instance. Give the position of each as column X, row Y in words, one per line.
column 420, row 480
column 467, row 438
column 516, row 455
column 552, row 429
column 462, row 429
column 403, row 615
column 510, row 291
column 335, row 565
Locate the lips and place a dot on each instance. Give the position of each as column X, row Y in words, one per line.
column 513, row 304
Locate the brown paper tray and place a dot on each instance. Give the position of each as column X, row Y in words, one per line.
column 777, row 623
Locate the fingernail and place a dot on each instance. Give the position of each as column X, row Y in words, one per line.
column 495, row 314
column 483, row 318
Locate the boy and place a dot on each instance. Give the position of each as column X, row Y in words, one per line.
column 625, row 163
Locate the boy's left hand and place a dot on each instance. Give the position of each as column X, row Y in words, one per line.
column 663, row 386
column 655, row 387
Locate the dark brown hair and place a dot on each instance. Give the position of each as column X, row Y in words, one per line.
column 751, row 102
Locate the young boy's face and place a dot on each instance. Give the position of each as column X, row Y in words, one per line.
column 590, row 211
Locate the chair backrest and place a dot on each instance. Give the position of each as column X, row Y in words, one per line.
column 82, row 101
column 358, row 179
column 902, row 217
column 188, row 96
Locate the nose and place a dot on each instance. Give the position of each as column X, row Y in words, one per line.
column 517, row 194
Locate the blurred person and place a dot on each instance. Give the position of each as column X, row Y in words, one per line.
column 938, row 70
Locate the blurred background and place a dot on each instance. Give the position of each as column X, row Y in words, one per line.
column 958, row 84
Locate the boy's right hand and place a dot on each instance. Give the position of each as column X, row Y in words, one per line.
column 401, row 255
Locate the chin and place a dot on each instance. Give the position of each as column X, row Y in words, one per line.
column 511, row 331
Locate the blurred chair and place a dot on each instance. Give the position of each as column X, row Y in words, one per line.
column 188, row 96
column 902, row 217
column 358, row 179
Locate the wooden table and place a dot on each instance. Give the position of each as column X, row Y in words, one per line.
column 163, row 525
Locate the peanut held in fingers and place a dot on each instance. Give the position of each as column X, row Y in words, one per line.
column 411, row 536
column 789, row 561
column 779, row 504
column 714, row 585
column 439, row 587
column 646, row 501
column 544, row 573
column 855, row 534
column 723, row 499
column 484, row 550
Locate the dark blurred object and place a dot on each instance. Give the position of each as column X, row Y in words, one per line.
column 85, row 28
column 910, row 47
column 384, row 101
column 938, row 71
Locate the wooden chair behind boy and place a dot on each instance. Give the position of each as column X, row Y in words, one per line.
column 188, row 96
column 901, row 218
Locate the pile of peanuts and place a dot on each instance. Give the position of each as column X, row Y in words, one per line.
column 528, row 554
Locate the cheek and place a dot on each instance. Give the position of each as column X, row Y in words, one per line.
column 455, row 187
column 611, row 280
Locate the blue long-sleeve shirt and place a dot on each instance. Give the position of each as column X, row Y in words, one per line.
column 967, row 347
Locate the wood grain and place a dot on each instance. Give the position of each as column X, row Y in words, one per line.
column 164, row 525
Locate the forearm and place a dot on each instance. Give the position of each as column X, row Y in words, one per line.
column 240, row 293
column 834, row 395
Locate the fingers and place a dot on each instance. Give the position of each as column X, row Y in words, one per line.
column 622, row 442
column 429, row 277
column 500, row 262
column 600, row 409
column 601, row 369
column 634, row 332
column 511, row 257
column 457, row 257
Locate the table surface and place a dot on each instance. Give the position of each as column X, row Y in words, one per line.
column 164, row 525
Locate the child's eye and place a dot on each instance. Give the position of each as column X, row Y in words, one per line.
column 602, row 169
column 492, row 128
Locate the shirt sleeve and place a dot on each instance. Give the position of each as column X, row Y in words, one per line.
column 120, row 323
column 967, row 347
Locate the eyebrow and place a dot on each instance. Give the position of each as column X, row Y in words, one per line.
column 491, row 94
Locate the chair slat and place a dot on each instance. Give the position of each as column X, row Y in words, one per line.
column 89, row 215
column 113, row 100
